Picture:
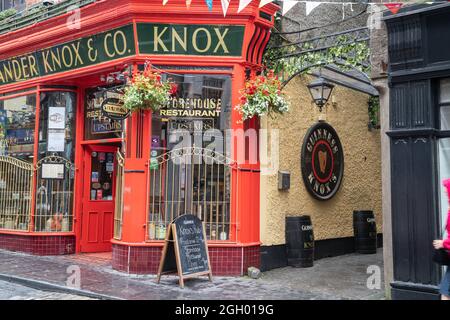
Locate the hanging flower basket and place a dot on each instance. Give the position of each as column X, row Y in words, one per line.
column 147, row 91
column 262, row 96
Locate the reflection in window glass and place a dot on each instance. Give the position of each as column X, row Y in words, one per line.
column 444, row 173
column 17, row 124
column 445, row 91
column 445, row 117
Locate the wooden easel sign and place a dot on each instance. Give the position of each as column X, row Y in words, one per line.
column 185, row 251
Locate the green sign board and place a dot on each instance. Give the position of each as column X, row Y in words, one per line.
column 106, row 46
column 159, row 39
column 190, row 39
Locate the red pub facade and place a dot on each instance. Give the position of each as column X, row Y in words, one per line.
column 75, row 181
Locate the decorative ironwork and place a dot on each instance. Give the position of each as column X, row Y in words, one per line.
column 190, row 180
column 347, row 50
column 118, row 209
column 16, row 185
column 54, row 194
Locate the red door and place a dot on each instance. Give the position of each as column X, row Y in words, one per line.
column 98, row 199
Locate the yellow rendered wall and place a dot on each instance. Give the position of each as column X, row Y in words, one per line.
column 361, row 185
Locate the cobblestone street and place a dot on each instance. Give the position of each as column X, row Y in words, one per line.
column 13, row 291
column 342, row 278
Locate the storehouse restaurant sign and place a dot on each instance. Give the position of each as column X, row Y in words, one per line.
column 205, row 40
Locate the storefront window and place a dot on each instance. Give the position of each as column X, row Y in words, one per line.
column 17, row 128
column 55, row 170
column 444, row 147
column 17, row 125
column 97, row 126
column 189, row 171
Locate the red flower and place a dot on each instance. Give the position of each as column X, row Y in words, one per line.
column 173, row 89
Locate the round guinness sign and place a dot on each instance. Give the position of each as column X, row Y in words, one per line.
column 322, row 161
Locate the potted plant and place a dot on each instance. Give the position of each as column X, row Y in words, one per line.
column 262, row 96
column 147, row 91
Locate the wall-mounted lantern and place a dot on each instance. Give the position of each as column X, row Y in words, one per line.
column 320, row 91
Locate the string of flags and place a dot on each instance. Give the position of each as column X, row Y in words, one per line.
column 287, row 5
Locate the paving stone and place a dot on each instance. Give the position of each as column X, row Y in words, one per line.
column 342, row 277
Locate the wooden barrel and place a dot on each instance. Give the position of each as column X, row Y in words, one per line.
column 365, row 230
column 300, row 241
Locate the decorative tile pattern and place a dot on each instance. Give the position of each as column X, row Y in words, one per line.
column 225, row 261
column 38, row 245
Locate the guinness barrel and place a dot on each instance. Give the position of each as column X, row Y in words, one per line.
column 365, row 230
column 300, row 241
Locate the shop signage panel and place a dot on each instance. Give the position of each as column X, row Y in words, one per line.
column 322, row 161
column 113, row 108
column 102, row 47
column 190, row 39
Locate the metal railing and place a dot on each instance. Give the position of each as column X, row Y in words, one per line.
column 54, row 195
column 16, row 185
column 40, row 13
column 190, row 181
column 118, row 209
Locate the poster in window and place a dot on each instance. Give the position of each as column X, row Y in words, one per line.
column 56, row 118
column 56, row 140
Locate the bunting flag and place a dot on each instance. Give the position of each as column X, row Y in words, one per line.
column 393, row 7
column 225, row 5
column 311, row 5
column 209, row 3
column 288, row 5
column 264, row 2
column 243, row 4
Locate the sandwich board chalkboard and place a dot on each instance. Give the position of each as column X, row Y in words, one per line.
column 185, row 250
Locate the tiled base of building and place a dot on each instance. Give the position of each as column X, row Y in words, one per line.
column 225, row 261
column 38, row 245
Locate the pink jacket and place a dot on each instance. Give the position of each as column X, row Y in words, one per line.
column 447, row 241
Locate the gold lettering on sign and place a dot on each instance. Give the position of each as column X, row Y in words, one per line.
column 76, row 51
column 92, row 52
column 17, row 70
column 195, row 38
column 176, row 37
column 124, row 39
column 47, row 66
column 109, row 54
column 55, row 58
column 221, row 40
column 157, row 39
column 24, row 65
column 67, row 53
column 32, row 63
column 8, row 71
